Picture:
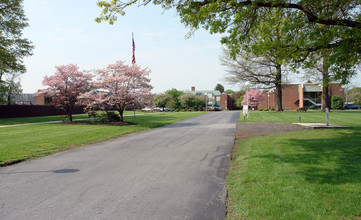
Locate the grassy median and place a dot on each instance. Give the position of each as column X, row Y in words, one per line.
column 22, row 143
column 308, row 174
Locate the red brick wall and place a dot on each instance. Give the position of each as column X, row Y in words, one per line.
column 39, row 99
column 290, row 97
column 336, row 89
column 264, row 102
column 226, row 102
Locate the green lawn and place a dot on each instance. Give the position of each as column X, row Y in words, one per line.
column 349, row 118
column 22, row 143
column 309, row 174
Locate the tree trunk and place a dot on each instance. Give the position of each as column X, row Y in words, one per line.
column 69, row 110
column 278, row 92
column 325, row 83
column 9, row 98
column 121, row 110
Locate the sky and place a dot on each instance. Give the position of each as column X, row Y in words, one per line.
column 64, row 32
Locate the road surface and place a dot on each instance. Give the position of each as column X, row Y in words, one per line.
column 174, row 172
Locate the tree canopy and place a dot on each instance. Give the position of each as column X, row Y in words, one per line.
column 192, row 101
column 10, row 88
column 219, row 87
column 119, row 85
column 13, row 47
column 355, row 96
column 254, row 97
column 66, row 85
column 310, row 25
column 163, row 100
column 175, row 94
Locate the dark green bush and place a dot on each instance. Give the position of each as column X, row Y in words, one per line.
column 336, row 102
column 107, row 116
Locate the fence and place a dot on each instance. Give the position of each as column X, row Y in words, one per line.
column 17, row 111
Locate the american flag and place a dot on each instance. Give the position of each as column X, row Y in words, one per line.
column 133, row 57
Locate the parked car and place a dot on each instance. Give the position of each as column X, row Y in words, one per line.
column 147, row 109
column 158, row 109
column 214, row 108
column 161, row 109
column 351, row 106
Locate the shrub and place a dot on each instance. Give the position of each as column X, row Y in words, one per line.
column 107, row 116
column 266, row 109
column 182, row 110
column 336, row 102
column 176, row 110
column 189, row 110
column 260, row 109
column 92, row 114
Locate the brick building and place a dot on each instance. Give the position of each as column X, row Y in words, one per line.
column 226, row 102
column 42, row 99
column 296, row 96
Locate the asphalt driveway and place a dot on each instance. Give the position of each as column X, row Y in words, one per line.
column 174, row 172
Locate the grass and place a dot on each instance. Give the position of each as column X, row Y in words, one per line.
column 348, row 118
column 22, row 143
column 308, row 174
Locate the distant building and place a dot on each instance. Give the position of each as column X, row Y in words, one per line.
column 227, row 102
column 214, row 98
column 296, row 96
column 43, row 99
column 24, row 99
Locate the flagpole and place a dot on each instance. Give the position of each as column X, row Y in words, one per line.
column 133, row 62
column 133, row 49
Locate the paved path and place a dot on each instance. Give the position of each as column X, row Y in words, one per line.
column 173, row 172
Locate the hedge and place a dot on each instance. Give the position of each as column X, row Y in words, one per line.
column 17, row 111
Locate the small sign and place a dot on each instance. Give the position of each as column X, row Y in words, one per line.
column 245, row 109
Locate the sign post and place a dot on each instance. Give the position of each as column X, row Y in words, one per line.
column 327, row 112
column 245, row 110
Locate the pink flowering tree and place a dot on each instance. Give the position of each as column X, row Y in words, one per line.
column 119, row 85
column 254, row 98
column 66, row 85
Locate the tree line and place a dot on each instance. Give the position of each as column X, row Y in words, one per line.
column 13, row 48
column 262, row 38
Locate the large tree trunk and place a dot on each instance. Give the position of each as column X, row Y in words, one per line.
column 278, row 92
column 325, row 83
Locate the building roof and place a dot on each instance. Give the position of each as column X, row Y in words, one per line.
column 203, row 92
column 312, row 89
column 25, row 97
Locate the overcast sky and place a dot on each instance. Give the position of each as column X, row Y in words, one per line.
column 64, row 32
